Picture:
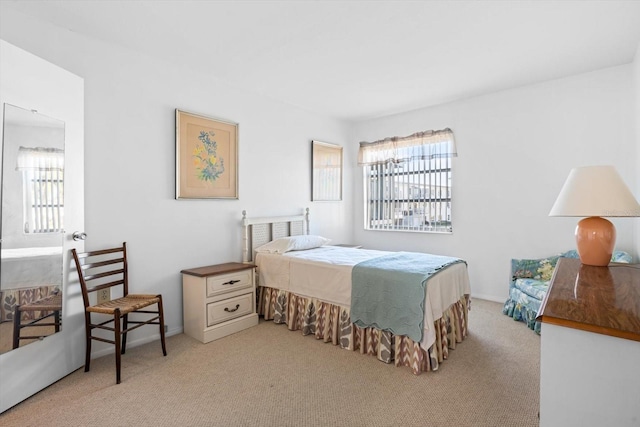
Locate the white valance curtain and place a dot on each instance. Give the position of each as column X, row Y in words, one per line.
column 40, row 159
column 425, row 145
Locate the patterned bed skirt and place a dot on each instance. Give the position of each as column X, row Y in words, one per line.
column 332, row 323
column 11, row 297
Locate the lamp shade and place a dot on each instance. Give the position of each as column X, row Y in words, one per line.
column 595, row 191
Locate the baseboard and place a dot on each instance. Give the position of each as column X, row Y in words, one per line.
column 488, row 298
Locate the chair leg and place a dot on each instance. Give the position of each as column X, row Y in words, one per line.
column 16, row 327
column 57, row 320
column 87, row 331
column 161, row 313
column 116, row 327
column 125, row 325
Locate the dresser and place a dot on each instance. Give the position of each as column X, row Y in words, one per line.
column 590, row 346
column 218, row 300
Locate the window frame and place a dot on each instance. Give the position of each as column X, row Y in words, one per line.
column 407, row 183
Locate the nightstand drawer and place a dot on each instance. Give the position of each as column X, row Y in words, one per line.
column 221, row 311
column 228, row 282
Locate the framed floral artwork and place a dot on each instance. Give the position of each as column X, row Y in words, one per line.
column 206, row 157
column 326, row 177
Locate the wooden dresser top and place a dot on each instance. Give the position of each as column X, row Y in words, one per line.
column 604, row 300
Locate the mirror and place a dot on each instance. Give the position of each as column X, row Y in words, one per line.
column 31, row 230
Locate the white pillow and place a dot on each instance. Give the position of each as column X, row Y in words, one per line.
column 293, row 243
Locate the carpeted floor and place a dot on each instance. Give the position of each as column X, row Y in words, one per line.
column 6, row 334
column 269, row 376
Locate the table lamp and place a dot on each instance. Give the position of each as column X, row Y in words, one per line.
column 594, row 192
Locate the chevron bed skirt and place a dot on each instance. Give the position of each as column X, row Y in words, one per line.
column 331, row 323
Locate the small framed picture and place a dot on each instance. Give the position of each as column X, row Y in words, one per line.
column 326, row 177
column 206, row 157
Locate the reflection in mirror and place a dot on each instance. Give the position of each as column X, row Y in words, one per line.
column 32, row 229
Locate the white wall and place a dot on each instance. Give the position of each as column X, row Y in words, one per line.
column 636, row 80
column 130, row 103
column 516, row 148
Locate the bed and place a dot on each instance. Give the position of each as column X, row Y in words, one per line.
column 310, row 289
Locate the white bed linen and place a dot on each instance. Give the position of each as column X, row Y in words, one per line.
column 325, row 273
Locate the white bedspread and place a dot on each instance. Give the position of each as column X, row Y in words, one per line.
column 325, row 273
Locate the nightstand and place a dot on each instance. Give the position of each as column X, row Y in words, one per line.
column 218, row 300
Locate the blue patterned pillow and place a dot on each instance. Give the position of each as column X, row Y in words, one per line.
column 542, row 268
column 539, row 269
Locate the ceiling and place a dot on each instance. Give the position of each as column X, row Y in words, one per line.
column 357, row 60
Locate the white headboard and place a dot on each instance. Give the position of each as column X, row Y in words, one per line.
column 258, row 231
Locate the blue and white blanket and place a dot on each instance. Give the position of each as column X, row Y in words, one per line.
column 388, row 292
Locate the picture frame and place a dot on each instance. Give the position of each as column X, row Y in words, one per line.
column 326, row 175
column 206, row 157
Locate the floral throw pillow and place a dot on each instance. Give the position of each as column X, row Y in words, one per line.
column 539, row 269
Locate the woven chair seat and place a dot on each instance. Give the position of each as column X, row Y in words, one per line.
column 49, row 303
column 128, row 304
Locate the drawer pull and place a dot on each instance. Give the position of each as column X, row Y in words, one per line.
column 231, row 310
column 230, row 282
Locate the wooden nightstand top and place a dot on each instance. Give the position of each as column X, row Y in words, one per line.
column 212, row 270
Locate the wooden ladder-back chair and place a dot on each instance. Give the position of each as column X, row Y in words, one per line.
column 107, row 269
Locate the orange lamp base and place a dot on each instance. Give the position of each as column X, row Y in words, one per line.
column 595, row 238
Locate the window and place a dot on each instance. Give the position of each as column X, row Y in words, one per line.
column 43, row 189
column 407, row 182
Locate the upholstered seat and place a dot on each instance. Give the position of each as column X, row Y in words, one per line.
column 532, row 287
column 530, row 281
